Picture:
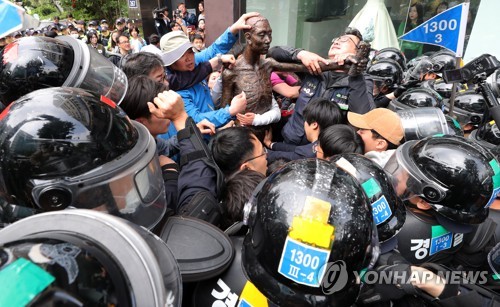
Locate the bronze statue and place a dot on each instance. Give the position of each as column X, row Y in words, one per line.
column 252, row 72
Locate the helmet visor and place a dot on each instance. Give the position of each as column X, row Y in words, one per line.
column 494, row 259
column 464, row 117
column 419, row 123
column 407, row 179
column 104, row 77
column 92, row 71
column 130, row 186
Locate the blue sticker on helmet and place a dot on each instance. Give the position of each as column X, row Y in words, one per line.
column 441, row 243
column 381, row 210
column 302, row 263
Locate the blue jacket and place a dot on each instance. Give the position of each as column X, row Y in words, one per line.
column 197, row 99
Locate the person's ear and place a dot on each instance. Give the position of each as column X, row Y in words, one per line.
column 314, row 126
column 245, row 166
column 381, row 145
column 247, row 37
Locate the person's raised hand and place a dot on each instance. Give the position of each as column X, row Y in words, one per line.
column 228, row 60
column 168, row 105
column 246, row 119
column 230, row 124
column 311, row 61
column 345, row 58
column 206, row 127
column 240, row 24
column 359, row 65
column 238, row 104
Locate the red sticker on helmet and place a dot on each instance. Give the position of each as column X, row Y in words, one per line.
column 10, row 53
column 108, row 101
column 4, row 112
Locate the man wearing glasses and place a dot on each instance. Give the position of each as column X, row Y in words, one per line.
column 124, row 49
column 351, row 93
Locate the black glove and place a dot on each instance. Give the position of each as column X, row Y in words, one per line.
column 397, row 286
column 399, row 91
column 403, row 87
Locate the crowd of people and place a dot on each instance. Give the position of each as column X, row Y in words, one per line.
column 323, row 172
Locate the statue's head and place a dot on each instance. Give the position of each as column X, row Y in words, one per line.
column 259, row 37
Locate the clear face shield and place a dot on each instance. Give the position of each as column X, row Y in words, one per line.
column 408, row 180
column 419, row 123
column 494, row 259
column 92, row 71
column 467, row 109
column 130, row 187
column 424, row 66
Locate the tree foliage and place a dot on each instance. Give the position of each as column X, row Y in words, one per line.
column 82, row 9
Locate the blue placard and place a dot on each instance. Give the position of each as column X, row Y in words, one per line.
column 493, row 197
column 132, row 4
column 10, row 17
column 442, row 30
column 441, row 243
column 381, row 210
column 302, row 263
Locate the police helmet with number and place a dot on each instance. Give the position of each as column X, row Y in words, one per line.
column 388, row 210
column 310, row 228
column 457, row 178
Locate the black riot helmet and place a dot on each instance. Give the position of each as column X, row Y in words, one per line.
column 444, row 89
column 413, row 62
column 387, row 71
column 417, row 98
column 310, row 224
column 69, row 148
column 488, row 136
column 391, row 53
column 443, row 60
column 37, row 62
column 424, row 66
column 85, row 258
column 457, row 178
column 469, row 107
column 388, row 210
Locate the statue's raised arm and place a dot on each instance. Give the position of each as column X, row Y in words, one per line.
column 252, row 72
